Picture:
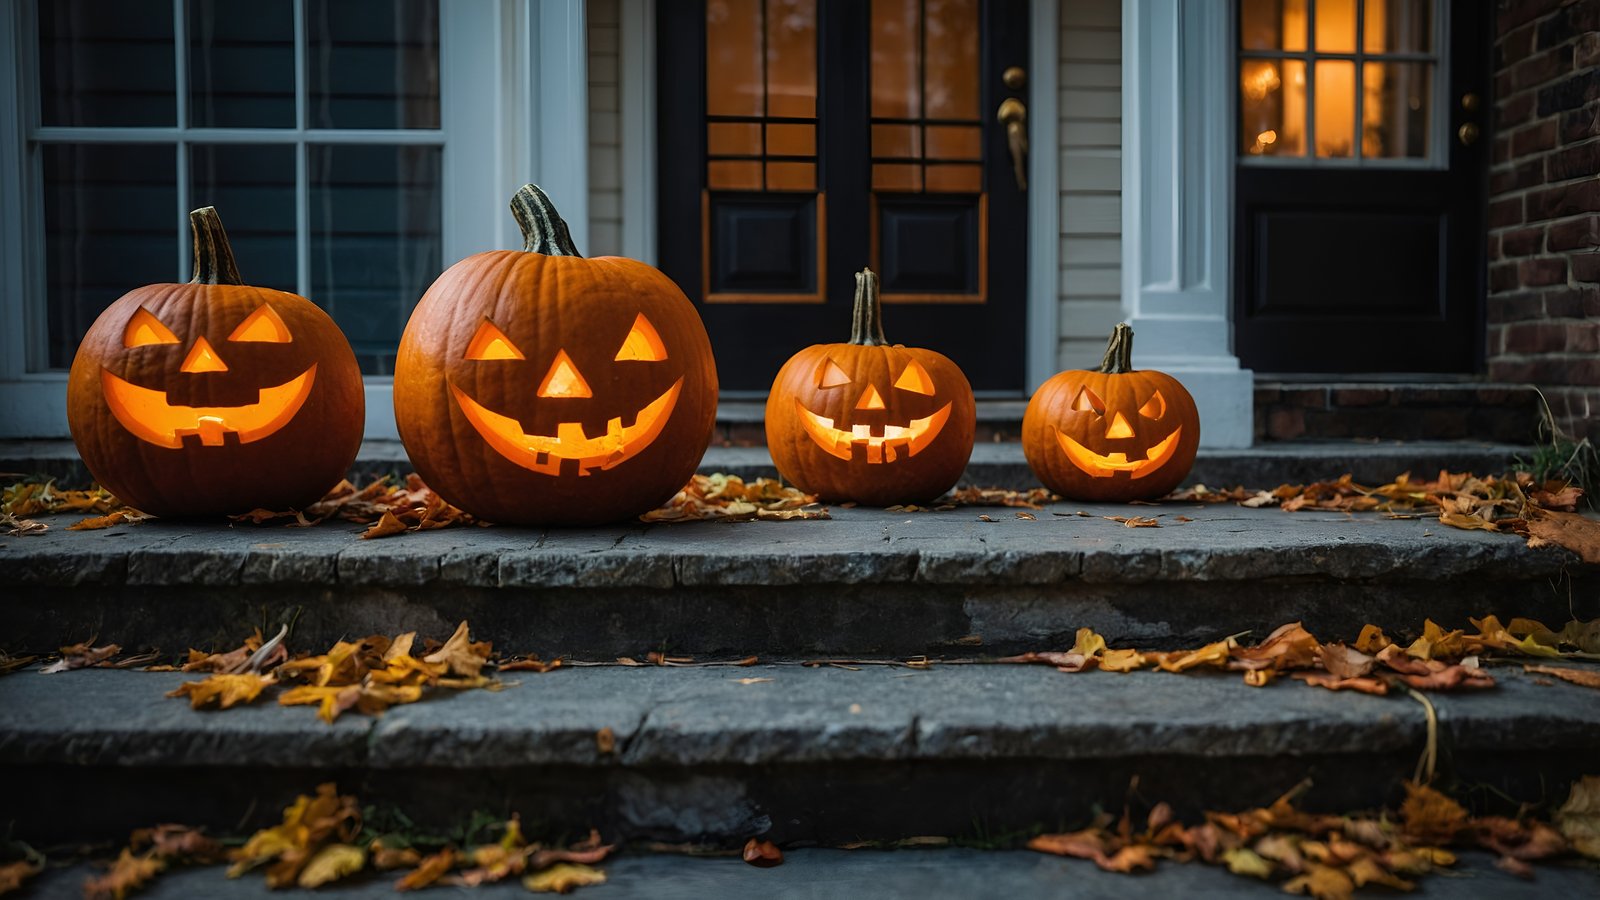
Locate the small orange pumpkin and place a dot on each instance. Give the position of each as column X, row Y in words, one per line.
column 215, row 397
column 1113, row 434
column 535, row 386
column 867, row 421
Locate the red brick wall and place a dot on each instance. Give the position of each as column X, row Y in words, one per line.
column 1544, row 206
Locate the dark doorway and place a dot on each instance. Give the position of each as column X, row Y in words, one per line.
column 1360, row 191
column 801, row 140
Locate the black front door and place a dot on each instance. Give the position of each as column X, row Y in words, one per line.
column 1360, row 185
column 800, row 140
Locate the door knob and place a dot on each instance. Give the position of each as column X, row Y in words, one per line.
column 1014, row 115
column 1467, row 134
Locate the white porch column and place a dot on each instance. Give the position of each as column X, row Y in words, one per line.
column 1177, row 201
column 559, row 97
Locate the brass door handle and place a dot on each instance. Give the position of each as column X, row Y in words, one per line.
column 1014, row 116
column 1467, row 134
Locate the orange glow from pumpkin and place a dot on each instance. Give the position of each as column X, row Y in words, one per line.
column 911, row 438
column 1155, row 407
column 202, row 358
column 870, row 399
column 1119, row 428
column 642, row 343
column 145, row 329
column 488, row 342
column 146, row 413
column 564, row 380
column 832, row 376
column 1107, row 465
column 915, row 379
column 262, row 326
column 544, row 453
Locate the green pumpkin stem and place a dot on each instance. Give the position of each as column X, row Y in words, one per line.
column 1119, row 351
column 543, row 229
column 213, row 258
column 866, row 324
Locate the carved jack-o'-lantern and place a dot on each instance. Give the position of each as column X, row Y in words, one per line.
column 214, row 396
column 870, row 422
column 536, row 386
column 1114, row 433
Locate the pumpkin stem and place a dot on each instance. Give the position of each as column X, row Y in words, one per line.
column 543, row 229
column 1119, row 351
column 213, row 257
column 866, row 325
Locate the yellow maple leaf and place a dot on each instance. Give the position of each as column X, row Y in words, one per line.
column 1243, row 861
column 333, row 700
column 332, row 863
column 1122, row 660
column 1323, row 883
column 223, row 691
column 1213, row 655
column 1088, row 643
column 562, row 878
column 1579, row 818
column 460, row 654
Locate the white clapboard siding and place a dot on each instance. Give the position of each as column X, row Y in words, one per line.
column 605, row 127
column 1091, row 178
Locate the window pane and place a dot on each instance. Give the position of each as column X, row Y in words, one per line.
column 1394, row 112
column 950, row 60
column 106, row 63
column 252, row 187
column 733, row 58
column 1272, row 107
column 896, row 85
column 1272, row 25
column 1336, row 27
column 792, row 58
column 375, row 244
column 110, row 220
column 373, row 63
column 733, row 138
column 1336, row 107
column 241, row 64
column 1398, row 26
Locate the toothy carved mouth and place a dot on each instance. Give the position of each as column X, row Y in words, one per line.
column 544, row 453
column 910, row 438
column 146, row 412
column 1110, row 464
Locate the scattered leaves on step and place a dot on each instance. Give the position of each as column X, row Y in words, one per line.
column 118, row 517
column 15, row 527
column 563, row 878
column 1585, row 677
column 128, row 874
column 428, row 870
column 730, row 498
column 13, row 874
column 10, row 664
column 43, row 497
column 149, row 852
column 82, row 656
column 223, row 691
column 310, row 825
column 762, row 854
column 332, row 863
column 1033, row 498
column 1134, row 521
column 1579, row 818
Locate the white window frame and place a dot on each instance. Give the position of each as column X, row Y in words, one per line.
column 513, row 107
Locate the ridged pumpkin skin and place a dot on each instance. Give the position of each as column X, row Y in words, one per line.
column 899, row 420
column 1111, row 435
column 261, row 452
column 569, row 319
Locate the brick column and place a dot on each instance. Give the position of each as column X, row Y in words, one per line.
column 1544, row 206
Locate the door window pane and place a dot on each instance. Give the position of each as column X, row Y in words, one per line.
column 1395, row 109
column 1398, row 26
column 110, row 211
column 241, row 64
column 792, row 58
column 896, row 39
column 1335, row 107
column 373, row 63
column 1272, row 107
column 252, row 186
column 950, row 59
column 106, row 63
column 1336, row 26
column 925, row 90
column 375, row 241
column 1272, row 24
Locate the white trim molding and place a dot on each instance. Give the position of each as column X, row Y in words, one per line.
column 638, row 39
column 1044, row 195
column 1177, row 204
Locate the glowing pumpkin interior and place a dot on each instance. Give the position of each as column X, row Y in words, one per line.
column 881, row 443
column 1105, row 465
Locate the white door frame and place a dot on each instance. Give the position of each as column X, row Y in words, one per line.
column 639, row 176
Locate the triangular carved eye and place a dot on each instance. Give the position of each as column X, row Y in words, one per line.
column 915, row 378
column 1089, row 401
column 1155, row 407
column 144, row 328
column 832, row 376
column 642, row 343
column 491, row 343
column 262, row 325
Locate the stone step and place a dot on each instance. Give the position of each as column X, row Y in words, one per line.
column 799, row 755
column 819, row 755
column 993, row 464
column 808, row 874
column 866, row 582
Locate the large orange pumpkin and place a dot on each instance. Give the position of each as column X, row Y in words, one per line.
column 1113, row 433
column 214, row 396
column 536, row 386
column 867, row 421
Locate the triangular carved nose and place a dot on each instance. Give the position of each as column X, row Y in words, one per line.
column 564, row 379
column 1119, row 428
column 203, row 359
column 870, row 399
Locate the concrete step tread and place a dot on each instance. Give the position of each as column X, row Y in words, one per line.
column 1222, row 542
column 890, row 875
column 704, row 718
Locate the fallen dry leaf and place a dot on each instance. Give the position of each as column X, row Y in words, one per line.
column 1032, row 498
column 563, row 878
column 223, row 691
column 460, row 655
column 1134, row 521
column 331, row 863
column 1430, row 817
column 1577, row 533
column 81, row 656
column 731, row 498
column 128, row 874
column 428, row 871
column 1585, row 677
column 118, row 517
column 1343, row 662
column 762, row 854
column 13, row 874
column 1335, row 683
column 1579, row 817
